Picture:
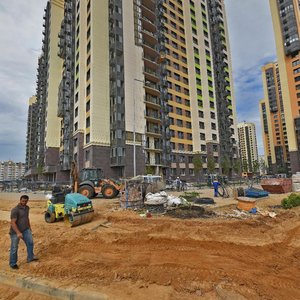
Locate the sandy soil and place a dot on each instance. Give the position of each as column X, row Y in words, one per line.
column 126, row 256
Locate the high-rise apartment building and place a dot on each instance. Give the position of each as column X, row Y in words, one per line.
column 10, row 170
column 273, row 119
column 145, row 85
column 46, row 125
column 286, row 23
column 31, row 131
column 248, row 145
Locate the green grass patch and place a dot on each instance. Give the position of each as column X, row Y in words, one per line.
column 190, row 196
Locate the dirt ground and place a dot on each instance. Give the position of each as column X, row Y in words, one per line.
column 128, row 256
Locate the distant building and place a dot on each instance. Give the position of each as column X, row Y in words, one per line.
column 286, row 24
column 31, row 130
column 248, row 146
column 43, row 136
column 10, row 170
column 272, row 116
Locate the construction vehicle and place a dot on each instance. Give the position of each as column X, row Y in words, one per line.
column 92, row 183
column 73, row 208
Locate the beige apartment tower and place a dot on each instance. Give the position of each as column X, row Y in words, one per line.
column 286, row 23
column 273, row 119
column 248, row 145
column 44, row 133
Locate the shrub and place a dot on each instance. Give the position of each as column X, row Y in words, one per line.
column 291, row 201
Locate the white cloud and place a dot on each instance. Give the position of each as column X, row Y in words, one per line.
column 21, row 40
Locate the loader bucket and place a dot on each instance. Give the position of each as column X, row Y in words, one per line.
column 78, row 219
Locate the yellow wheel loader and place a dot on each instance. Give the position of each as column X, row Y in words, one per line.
column 93, row 183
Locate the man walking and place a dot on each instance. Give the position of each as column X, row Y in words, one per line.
column 216, row 185
column 20, row 229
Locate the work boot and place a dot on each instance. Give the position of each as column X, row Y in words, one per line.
column 15, row 267
column 35, row 258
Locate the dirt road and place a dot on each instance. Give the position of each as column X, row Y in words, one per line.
column 126, row 256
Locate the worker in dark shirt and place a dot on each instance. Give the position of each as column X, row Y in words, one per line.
column 20, row 229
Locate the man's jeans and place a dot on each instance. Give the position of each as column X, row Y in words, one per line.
column 27, row 237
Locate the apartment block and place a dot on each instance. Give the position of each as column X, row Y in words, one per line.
column 10, row 170
column 144, row 86
column 248, row 145
column 286, row 23
column 31, row 131
column 45, row 132
column 273, row 119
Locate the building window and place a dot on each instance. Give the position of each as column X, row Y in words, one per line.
column 87, row 138
column 87, row 155
column 181, row 158
column 88, row 106
column 88, row 90
column 297, row 78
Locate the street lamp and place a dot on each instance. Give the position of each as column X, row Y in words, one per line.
column 134, row 147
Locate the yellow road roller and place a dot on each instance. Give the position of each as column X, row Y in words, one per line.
column 73, row 208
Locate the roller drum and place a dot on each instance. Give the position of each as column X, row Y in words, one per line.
column 78, row 219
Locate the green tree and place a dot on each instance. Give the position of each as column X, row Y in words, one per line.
column 245, row 166
column 150, row 170
column 225, row 165
column 198, row 165
column 211, row 165
column 237, row 166
column 39, row 170
column 255, row 166
column 263, row 166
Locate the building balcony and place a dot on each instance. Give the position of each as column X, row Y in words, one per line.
column 153, row 116
column 151, row 75
column 149, row 37
column 152, row 88
column 149, row 49
column 148, row 24
column 148, row 9
column 154, row 131
column 153, row 102
column 117, row 161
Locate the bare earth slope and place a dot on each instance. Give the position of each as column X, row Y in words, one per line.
column 126, row 256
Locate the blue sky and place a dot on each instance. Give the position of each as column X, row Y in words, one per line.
column 251, row 40
column 252, row 45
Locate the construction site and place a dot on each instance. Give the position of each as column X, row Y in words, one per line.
column 209, row 250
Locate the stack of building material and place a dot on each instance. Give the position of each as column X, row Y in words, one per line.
column 255, row 193
column 296, row 182
column 132, row 197
column 277, row 185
